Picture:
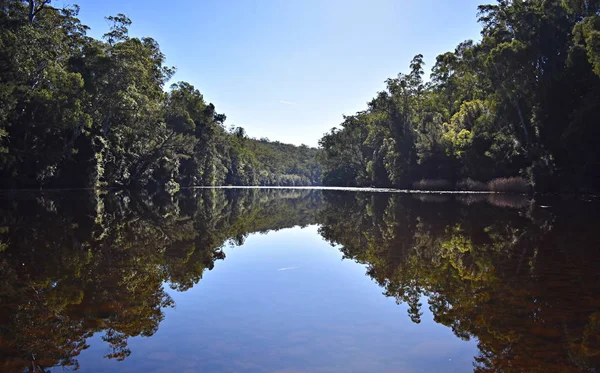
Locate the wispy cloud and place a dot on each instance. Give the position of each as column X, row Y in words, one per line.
column 287, row 268
column 287, row 102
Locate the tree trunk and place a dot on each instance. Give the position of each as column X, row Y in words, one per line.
column 106, row 124
column 31, row 10
column 515, row 102
column 523, row 124
column 34, row 8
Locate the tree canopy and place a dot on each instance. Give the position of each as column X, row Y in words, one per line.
column 80, row 112
column 523, row 101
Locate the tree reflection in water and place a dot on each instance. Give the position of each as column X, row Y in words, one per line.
column 520, row 279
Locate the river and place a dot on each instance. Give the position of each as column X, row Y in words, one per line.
column 298, row 280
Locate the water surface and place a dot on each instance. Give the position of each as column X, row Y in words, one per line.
column 289, row 280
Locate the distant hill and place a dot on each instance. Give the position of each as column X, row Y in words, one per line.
column 285, row 164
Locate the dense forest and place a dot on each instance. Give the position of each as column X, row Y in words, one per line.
column 518, row 107
column 522, row 102
column 518, row 278
column 81, row 112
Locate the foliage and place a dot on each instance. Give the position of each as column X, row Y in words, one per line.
column 509, row 185
column 80, row 112
column 432, row 185
column 470, row 184
column 522, row 101
column 285, row 164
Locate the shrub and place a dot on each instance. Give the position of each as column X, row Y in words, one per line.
column 432, row 197
column 437, row 184
column 469, row 199
column 509, row 185
column 470, row 184
column 506, row 200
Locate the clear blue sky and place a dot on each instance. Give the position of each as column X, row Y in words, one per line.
column 289, row 69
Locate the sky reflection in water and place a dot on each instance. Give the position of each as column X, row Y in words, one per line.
column 323, row 316
column 298, row 281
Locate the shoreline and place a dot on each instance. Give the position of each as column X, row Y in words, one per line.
column 325, row 188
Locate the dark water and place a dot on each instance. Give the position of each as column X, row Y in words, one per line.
column 290, row 281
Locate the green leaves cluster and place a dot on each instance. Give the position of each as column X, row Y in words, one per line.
column 81, row 112
column 522, row 101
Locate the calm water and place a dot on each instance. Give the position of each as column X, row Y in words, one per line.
column 284, row 280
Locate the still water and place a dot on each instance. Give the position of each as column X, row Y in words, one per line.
column 289, row 280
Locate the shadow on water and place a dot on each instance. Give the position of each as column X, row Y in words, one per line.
column 520, row 278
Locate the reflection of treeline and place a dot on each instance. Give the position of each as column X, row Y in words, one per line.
column 523, row 282
column 72, row 267
column 495, row 199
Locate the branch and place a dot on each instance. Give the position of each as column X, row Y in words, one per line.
column 33, row 10
column 39, row 9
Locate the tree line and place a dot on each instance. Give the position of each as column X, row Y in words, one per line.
column 86, row 113
column 518, row 108
column 522, row 102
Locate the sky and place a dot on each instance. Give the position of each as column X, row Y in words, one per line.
column 289, row 70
